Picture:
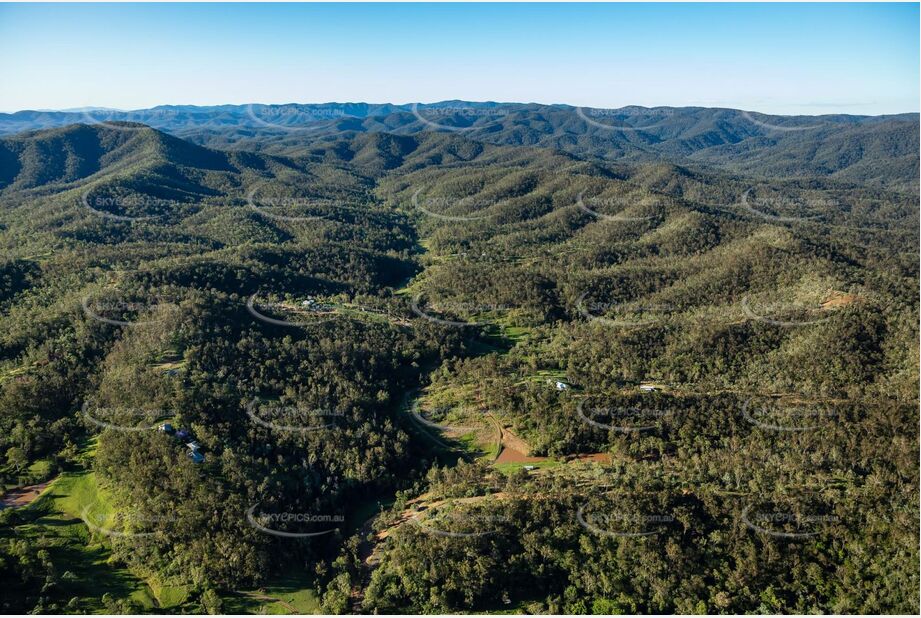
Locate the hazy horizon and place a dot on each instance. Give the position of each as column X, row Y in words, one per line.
column 90, row 108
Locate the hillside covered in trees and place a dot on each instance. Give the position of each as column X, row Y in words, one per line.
column 403, row 359
column 877, row 150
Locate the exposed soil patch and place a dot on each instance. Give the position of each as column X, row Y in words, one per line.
column 839, row 299
column 513, row 442
column 512, row 455
column 512, row 448
column 595, row 457
column 23, row 496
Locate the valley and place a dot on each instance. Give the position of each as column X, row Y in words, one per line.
column 530, row 367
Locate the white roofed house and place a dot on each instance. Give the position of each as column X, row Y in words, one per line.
column 195, row 452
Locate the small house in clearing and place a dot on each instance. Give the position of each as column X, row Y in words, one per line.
column 649, row 388
column 167, row 429
column 193, row 445
column 196, row 456
column 312, row 304
column 561, row 386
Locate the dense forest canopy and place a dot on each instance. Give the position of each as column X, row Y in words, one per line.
column 874, row 150
column 537, row 364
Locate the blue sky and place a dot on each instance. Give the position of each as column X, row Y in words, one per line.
column 781, row 58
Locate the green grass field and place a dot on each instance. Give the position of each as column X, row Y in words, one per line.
column 40, row 470
column 54, row 521
column 83, row 559
column 486, row 451
column 291, row 595
column 509, row 468
column 169, row 360
column 12, row 372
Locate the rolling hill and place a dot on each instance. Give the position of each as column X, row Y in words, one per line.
column 690, row 324
column 859, row 149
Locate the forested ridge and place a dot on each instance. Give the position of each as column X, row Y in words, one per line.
column 518, row 368
column 876, row 150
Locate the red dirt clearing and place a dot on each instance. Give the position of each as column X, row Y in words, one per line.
column 839, row 299
column 511, row 455
column 23, row 495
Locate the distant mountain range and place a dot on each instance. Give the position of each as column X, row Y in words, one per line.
column 877, row 151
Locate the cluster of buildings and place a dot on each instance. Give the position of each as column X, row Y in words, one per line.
column 312, row 304
column 645, row 387
column 194, row 447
